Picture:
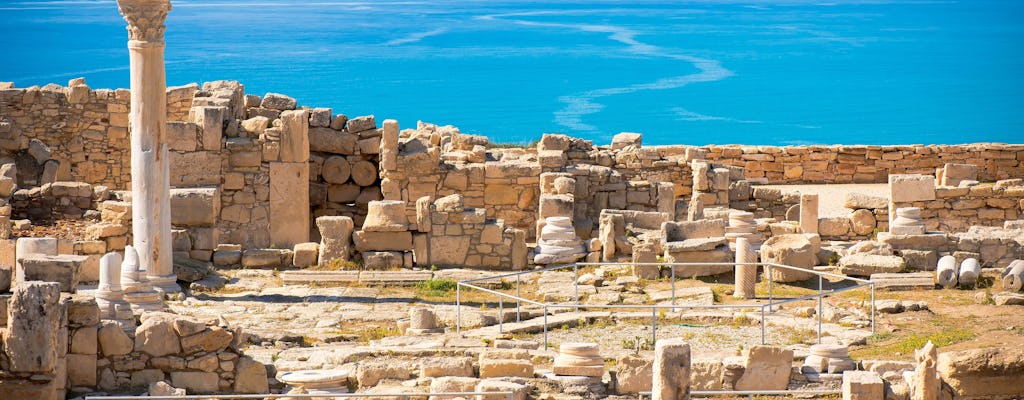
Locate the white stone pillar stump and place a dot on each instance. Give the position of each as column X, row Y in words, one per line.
column 151, row 207
column 746, row 275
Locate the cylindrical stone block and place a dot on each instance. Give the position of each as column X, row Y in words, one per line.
column 945, row 272
column 1014, row 278
column 671, row 370
column 422, row 318
column 969, row 271
column 110, row 273
column 746, row 275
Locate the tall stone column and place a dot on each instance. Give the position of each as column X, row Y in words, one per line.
column 151, row 207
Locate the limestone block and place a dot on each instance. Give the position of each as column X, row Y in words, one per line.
column 370, row 373
column 766, row 368
column 389, row 145
column 113, row 341
column 793, row 250
column 39, row 151
column 423, row 223
column 6, row 278
column 250, row 376
column 181, row 136
column 64, row 269
column 331, row 141
column 156, row 335
column 625, row 139
column 81, row 369
column 362, row 123
column 211, row 125
column 953, row 174
column 82, row 311
column 452, row 384
column 195, row 382
column 382, row 241
column 435, row 367
column 30, row 341
column 195, row 206
column 855, row 200
column 706, row 374
column 210, row 340
column 194, row 168
column 905, row 188
column 383, row 260
column 277, row 101
column 506, row 367
column 864, row 264
column 556, row 206
column 833, row 226
column 809, row 213
column 671, row 370
column 305, row 254
column 863, row 385
column 84, row 340
column 346, row 193
column 386, row 216
column 519, row 391
column 633, row 374
column 261, row 258
column 335, row 238
column 289, row 203
column 294, row 136
column 983, row 372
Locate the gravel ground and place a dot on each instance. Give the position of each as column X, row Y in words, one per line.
column 832, row 197
column 703, row 339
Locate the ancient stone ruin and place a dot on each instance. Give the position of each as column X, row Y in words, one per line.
column 199, row 239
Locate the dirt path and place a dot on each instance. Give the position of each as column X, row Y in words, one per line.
column 831, row 197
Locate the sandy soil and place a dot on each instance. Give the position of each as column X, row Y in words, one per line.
column 832, row 197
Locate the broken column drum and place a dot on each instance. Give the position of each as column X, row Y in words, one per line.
column 969, row 271
column 422, row 321
column 151, row 207
column 945, row 272
column 558, row 242
column 1013, row 276
column 828, row 359
column 135, row 284
column 109, row 295
column 907, row 222
column 579, row 359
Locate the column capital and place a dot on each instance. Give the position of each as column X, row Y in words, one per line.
column 145, row 18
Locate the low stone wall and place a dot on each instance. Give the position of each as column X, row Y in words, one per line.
column 57, row 344
column 955, row 209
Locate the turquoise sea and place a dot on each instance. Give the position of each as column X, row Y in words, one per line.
column 681, row 72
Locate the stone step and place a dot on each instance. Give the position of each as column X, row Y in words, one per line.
column 368, row 277
column 908, row 281
column 536, row 325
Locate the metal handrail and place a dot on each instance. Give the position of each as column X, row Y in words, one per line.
column 770, row 305
column 510, row 395
column 750, row 393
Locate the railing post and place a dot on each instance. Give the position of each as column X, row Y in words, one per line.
column 458, row 307
column 517, row 299
column 673, row 269
column 654, row 324
column 771, row 280
column 576, row 284
column 872, row 308
column 763, row 337
column 545, row 327
column 819, row 317
column 501, row 314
